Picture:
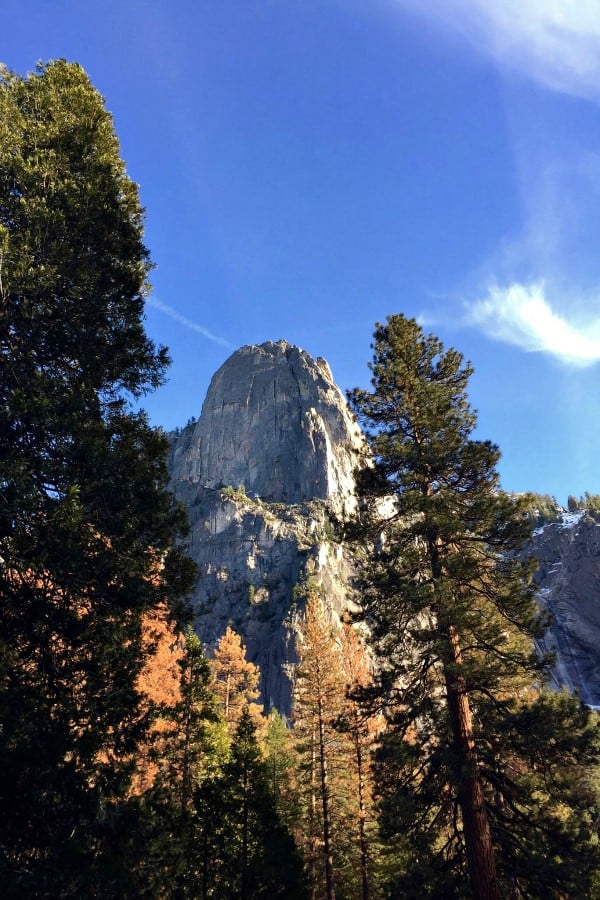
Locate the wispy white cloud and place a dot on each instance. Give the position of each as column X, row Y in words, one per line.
column 521, row 315
column 429, row 320
column 554, row 42
column 187, row 323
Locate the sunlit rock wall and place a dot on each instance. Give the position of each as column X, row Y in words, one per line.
column 266, row 473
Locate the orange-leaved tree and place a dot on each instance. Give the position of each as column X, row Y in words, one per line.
column 236, row 681
column 319, row 699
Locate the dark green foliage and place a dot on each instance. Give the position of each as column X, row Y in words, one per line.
column 242, row 849
column 86, row 523
column 540, row 757
column 188, row 746
column 472, row 751
column 281, row 768
column 191, row 720
column 542, row 509
column 589, row 502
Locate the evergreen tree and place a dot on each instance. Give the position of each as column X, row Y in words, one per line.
column 159, row 683
column 192, row 717
column 242, row 849
column 591, row 502
column 86, row 522
column 542, row 509
column 282, row 769
column 480, row 776
column 186, row 751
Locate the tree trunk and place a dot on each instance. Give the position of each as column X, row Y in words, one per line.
column 364, row 854
column 312, row 827
column 327, row 847
column 244, row 872
column 476, row 826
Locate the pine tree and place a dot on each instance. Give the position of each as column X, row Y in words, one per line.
column 235, row 680
column 86, row 523
column 363, row 727
column 242, row 848
column 477, row 771
column 192, row 718
column 282, row 769
column 319, row 697
column 190, row 748
column 159, row 683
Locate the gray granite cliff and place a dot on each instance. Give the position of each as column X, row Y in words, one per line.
column 265, row 473
column 569, row 580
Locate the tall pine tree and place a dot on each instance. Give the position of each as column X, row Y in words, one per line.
column 480, row 775
column 86, row 522
column 319, row 697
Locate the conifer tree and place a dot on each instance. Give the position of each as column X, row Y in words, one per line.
column 190, row 747
column 191, row 717
column 243, row 849
column 362, row 728
column 159, row 683
column 86, row 523
column 282, row 769
column 480, row 776
column 319, row 697
column 235, row 680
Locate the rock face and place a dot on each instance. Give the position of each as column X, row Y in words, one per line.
column 274, row 421
column 569, row 580
column 265, row 472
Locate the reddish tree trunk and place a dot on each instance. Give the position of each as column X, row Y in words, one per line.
column 312, row 827
column 476, row 826
column 364, row 850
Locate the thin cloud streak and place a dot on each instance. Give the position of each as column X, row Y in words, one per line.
column 187, row 323
column 553, row 42
column 520, row 315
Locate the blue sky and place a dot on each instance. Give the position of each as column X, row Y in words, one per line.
column 310, row 166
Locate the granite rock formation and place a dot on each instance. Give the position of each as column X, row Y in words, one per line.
column 266, row 472
column 569, row 580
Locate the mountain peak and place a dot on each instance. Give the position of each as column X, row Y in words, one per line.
column 275, row 421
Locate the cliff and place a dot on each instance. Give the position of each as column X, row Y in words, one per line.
column 265, row 473
column 569, row 580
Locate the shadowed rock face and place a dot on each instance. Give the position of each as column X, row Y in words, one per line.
column 569, row 580
column 264, row 472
